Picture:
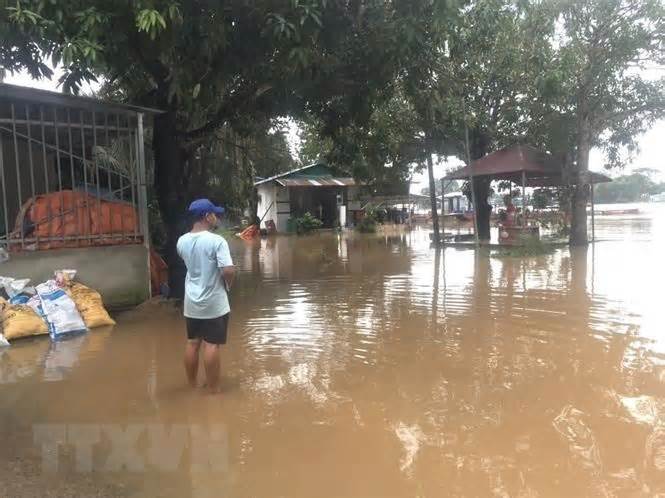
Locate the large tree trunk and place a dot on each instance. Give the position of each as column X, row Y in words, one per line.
column 171, row 189
column 483, row 210
column 250, row 176
column 477, row 148
column 432, row 196
column 578, row 226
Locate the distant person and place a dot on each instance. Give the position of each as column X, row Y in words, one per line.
column 210, row 274
column 511, row 211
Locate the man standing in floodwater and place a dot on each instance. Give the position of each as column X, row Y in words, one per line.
column 210, row 274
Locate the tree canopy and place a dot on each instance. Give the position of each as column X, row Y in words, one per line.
column 602, row 45
column 379, row 86
column 211, row 65
column 563, row 76
column 635, row 187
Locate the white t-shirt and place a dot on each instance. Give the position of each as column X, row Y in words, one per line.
column 204, row 254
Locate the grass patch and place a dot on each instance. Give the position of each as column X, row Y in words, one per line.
column 528, row 247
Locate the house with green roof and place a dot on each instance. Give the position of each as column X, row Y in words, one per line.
column 325, row 192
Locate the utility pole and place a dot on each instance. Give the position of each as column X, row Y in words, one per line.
column 436, row 238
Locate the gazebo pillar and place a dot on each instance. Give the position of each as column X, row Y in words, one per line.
column 523, row 198
column 473, row 189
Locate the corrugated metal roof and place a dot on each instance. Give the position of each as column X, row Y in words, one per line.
column 301, row 178
column 286, row 173
column 64, row 99
column 318, row 182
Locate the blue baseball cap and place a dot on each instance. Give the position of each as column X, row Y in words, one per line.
column 204, row 206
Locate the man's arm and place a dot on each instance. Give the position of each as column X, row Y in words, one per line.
column 225, row 264
column 229, row 275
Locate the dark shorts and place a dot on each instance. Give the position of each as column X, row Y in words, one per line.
column 211, row 330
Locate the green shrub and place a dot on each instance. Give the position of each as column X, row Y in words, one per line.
column 367, row 225
column 307, row 223
column 528, row 247
column 369, row 221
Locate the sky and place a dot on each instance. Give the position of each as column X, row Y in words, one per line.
column 650, row 155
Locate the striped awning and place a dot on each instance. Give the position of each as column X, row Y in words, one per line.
column 316, row 182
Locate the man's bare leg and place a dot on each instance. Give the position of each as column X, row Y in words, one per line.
column 192, row 360
column 211, row 363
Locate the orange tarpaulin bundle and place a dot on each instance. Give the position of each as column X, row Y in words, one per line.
column 249, row 233
column 73, row 216
column 159, row 272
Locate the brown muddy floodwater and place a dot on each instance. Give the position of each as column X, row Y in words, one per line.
column 366, row 366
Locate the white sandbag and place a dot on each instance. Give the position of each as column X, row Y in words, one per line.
column 35, row 303
column 64, row 277
column 60, row 310
column 14, row 286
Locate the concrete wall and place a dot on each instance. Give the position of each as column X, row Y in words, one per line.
column 277, row 197
column 119, row 273
column 282, row 208
column 266, row 193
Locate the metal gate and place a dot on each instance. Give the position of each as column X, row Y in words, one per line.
column 78, row 159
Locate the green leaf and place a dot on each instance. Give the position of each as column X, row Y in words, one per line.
column 196, row 90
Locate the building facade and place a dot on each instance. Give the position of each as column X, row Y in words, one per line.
column 322, row 191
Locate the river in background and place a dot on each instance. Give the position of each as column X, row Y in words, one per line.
column 366, row 366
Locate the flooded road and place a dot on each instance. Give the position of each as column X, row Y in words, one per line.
column 366, row 366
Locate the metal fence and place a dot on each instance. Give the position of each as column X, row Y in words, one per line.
column 80, row 161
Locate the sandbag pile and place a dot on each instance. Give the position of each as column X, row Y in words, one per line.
column 60, row 310
column 57, row 307
column 20, row 320
column 21, row 315
column 89, row 303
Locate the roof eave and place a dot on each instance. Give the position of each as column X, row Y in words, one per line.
column 286, row 173
column 17, row 92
